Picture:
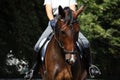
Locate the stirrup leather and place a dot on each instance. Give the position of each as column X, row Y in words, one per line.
column 29, row 75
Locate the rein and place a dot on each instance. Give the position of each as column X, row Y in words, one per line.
column 61, row 46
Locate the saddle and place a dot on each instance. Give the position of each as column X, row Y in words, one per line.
column 43, row 44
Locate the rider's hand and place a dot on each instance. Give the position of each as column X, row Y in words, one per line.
column 53, row 23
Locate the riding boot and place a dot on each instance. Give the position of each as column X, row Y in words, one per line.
column 34, row 68
column 91, row 69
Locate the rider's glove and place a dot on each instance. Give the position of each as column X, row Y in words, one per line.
column 53, row 23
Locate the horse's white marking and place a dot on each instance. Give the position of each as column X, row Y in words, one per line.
column 72, row 59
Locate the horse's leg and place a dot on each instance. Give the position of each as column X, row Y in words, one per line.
column 84, row 75
column 65, row 74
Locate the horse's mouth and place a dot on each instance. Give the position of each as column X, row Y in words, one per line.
column 70, row 58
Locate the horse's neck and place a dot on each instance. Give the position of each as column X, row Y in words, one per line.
column 55, row 43
column 55, row 46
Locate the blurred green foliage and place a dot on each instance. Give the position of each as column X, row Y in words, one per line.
column 100, row 22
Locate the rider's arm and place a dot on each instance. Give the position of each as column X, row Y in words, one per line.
column 73, row 7
column 73, row 4
column 48, row 8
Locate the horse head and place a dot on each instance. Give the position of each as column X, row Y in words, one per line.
column 67, row 30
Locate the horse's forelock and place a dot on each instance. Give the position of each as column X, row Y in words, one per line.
column 68, row 15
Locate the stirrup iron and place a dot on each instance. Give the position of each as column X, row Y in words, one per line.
column 92, row 71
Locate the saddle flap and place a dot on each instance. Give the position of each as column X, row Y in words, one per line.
column 43, row 50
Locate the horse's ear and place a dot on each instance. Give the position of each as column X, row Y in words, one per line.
column 79, row 11
column 61, row 11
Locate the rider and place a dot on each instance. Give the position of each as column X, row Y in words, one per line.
column 51, row 7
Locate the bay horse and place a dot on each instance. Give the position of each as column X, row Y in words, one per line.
column 62, row 58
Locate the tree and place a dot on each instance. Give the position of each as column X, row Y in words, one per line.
column 100, row 22
column 21, row 24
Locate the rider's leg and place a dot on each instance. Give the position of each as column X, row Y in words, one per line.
column 36, row 62
column 92, row 69
column 45, row 34
column 86, row 50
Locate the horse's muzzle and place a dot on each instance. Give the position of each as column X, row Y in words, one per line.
column 70, row 58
